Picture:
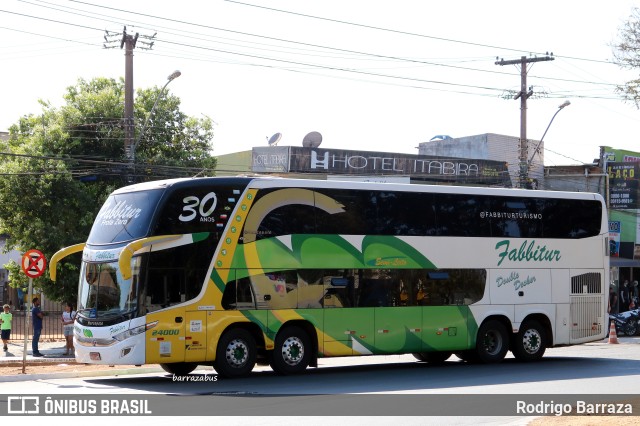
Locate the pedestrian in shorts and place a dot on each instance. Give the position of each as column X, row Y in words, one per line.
column 68, row 317
column 5, row 326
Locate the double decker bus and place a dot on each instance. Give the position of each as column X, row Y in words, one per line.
column 231, row 272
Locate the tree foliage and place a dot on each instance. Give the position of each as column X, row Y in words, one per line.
column 627, row 55
column 58, row 167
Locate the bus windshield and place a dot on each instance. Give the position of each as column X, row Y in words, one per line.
column 103, row 291
column 124, row 217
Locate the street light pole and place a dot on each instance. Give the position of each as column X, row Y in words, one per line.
column 172, row 76
column 535, row 151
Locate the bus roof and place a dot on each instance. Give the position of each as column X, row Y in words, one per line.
column 275, row 182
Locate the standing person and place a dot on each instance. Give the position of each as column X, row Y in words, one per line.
column 613, row 300
column 624, row 296
column 5, row 319
column 634, row 294
column 36, row 316
column 68, row 317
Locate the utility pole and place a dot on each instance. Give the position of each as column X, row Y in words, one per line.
column 128, row 42
column 523, row 95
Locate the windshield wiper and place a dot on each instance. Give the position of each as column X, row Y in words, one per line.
column 80, row 311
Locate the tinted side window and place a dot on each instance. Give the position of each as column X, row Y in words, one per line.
column 572, row 218
column 379, row 213
column 461, row 215
column 353, row 288
column 357, row 218
column 238, row 295
column 517, row 217
column 281, row 211
column 177, row 274
column 286, row 220
column 405, row 213
column 409, row 287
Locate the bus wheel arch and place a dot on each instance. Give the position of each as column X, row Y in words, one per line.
column 532, row 339
column 492, row 342
column 236, row 353
column 294, row 348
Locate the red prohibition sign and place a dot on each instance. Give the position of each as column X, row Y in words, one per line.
column 33, row 263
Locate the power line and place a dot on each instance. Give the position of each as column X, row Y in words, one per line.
column 400, row 32
column 326, row 47
column 322, row 47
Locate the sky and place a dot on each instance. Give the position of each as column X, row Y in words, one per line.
column 367, row 74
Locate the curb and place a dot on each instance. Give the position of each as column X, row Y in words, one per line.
column 74, row 374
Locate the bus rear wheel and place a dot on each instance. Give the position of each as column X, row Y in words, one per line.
column 529, row 343
column 179, row 368
column 493, row 343
column 292, row 351
column 432, row 357
column 236, row 354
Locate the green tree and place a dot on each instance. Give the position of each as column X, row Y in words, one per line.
column 627, row 55
column 58, row 168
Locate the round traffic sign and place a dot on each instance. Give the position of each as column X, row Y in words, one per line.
column 33, row 263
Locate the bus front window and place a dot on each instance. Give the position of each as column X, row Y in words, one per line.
column 103, row 291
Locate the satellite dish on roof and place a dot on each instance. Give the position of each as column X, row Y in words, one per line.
column 273, row 140
column 440, row 137
column 312, row 140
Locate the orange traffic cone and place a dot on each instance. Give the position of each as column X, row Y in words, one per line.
column 613, row 336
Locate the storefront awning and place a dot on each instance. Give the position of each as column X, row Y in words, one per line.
column 622, row 262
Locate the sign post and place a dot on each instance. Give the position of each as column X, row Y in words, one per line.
column 33, row 265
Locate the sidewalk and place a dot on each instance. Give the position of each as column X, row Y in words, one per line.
column 52, row 349
column 54, row 359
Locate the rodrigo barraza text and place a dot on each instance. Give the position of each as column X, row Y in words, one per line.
column 581, row 407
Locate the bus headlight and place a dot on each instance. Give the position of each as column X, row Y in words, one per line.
column 134, row 331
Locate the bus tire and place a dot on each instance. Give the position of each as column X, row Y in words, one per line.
column 179, row 368
column 236, row 354
column 432, row 357
column 291, row 352
column 530, row 342
column 493, row 342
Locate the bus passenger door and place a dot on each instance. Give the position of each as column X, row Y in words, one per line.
column 195, row 336
column 165, row 341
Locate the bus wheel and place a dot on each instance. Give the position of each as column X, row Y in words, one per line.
column 529, row 343
column 179, row 368
column 292, row 351
column 432, row 357
column 236, row 354
column 492, row 344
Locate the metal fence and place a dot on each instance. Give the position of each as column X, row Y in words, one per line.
column 51, row 325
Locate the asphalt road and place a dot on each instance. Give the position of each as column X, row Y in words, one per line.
column 379, row 386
